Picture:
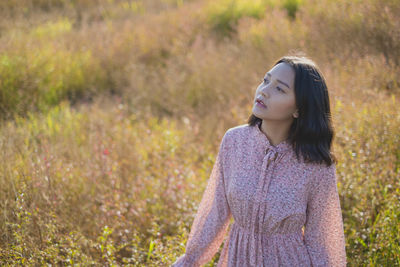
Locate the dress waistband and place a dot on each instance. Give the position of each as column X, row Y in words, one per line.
column 297, row 234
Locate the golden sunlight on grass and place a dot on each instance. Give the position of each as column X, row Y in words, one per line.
column 112, row 112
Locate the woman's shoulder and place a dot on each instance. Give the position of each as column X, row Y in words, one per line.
column 241, row 131
column 322, row 168
column 321, row 172
column 235, row 135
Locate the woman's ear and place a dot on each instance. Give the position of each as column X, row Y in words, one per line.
column 296, row 114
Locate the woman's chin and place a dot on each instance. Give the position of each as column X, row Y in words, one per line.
column 257, row 112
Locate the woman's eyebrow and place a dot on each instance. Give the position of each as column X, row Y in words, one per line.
column 279, row 81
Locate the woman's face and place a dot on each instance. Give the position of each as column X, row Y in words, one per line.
column 277, row 93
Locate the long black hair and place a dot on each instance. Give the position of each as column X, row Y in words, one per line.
column 312, row 133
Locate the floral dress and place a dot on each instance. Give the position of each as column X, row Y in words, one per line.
column 285, row 212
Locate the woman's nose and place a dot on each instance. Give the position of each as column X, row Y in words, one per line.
column 264, row 91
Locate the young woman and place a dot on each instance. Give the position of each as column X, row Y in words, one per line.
column 276, row 178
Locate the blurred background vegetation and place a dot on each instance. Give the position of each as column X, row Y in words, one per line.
column 112, row 112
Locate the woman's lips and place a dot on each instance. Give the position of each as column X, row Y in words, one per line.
column 260, row 104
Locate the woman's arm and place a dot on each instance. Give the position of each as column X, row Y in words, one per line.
column 212, row 219
column 324, row 234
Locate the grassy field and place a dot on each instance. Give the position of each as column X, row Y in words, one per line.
column 112, row 111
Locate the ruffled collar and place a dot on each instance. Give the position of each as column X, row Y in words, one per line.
column 263, row 140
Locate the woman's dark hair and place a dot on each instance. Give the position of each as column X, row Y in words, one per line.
column 310, row 134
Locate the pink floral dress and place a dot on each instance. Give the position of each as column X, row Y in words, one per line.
column 285, row 212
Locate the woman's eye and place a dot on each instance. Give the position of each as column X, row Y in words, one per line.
column 279, row 89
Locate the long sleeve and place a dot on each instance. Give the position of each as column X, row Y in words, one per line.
column 212, row 219
column 324, row 233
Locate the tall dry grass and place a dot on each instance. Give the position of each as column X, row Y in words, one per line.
column 112, row 118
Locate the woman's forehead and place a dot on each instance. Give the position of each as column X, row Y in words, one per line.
column 282, row 72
